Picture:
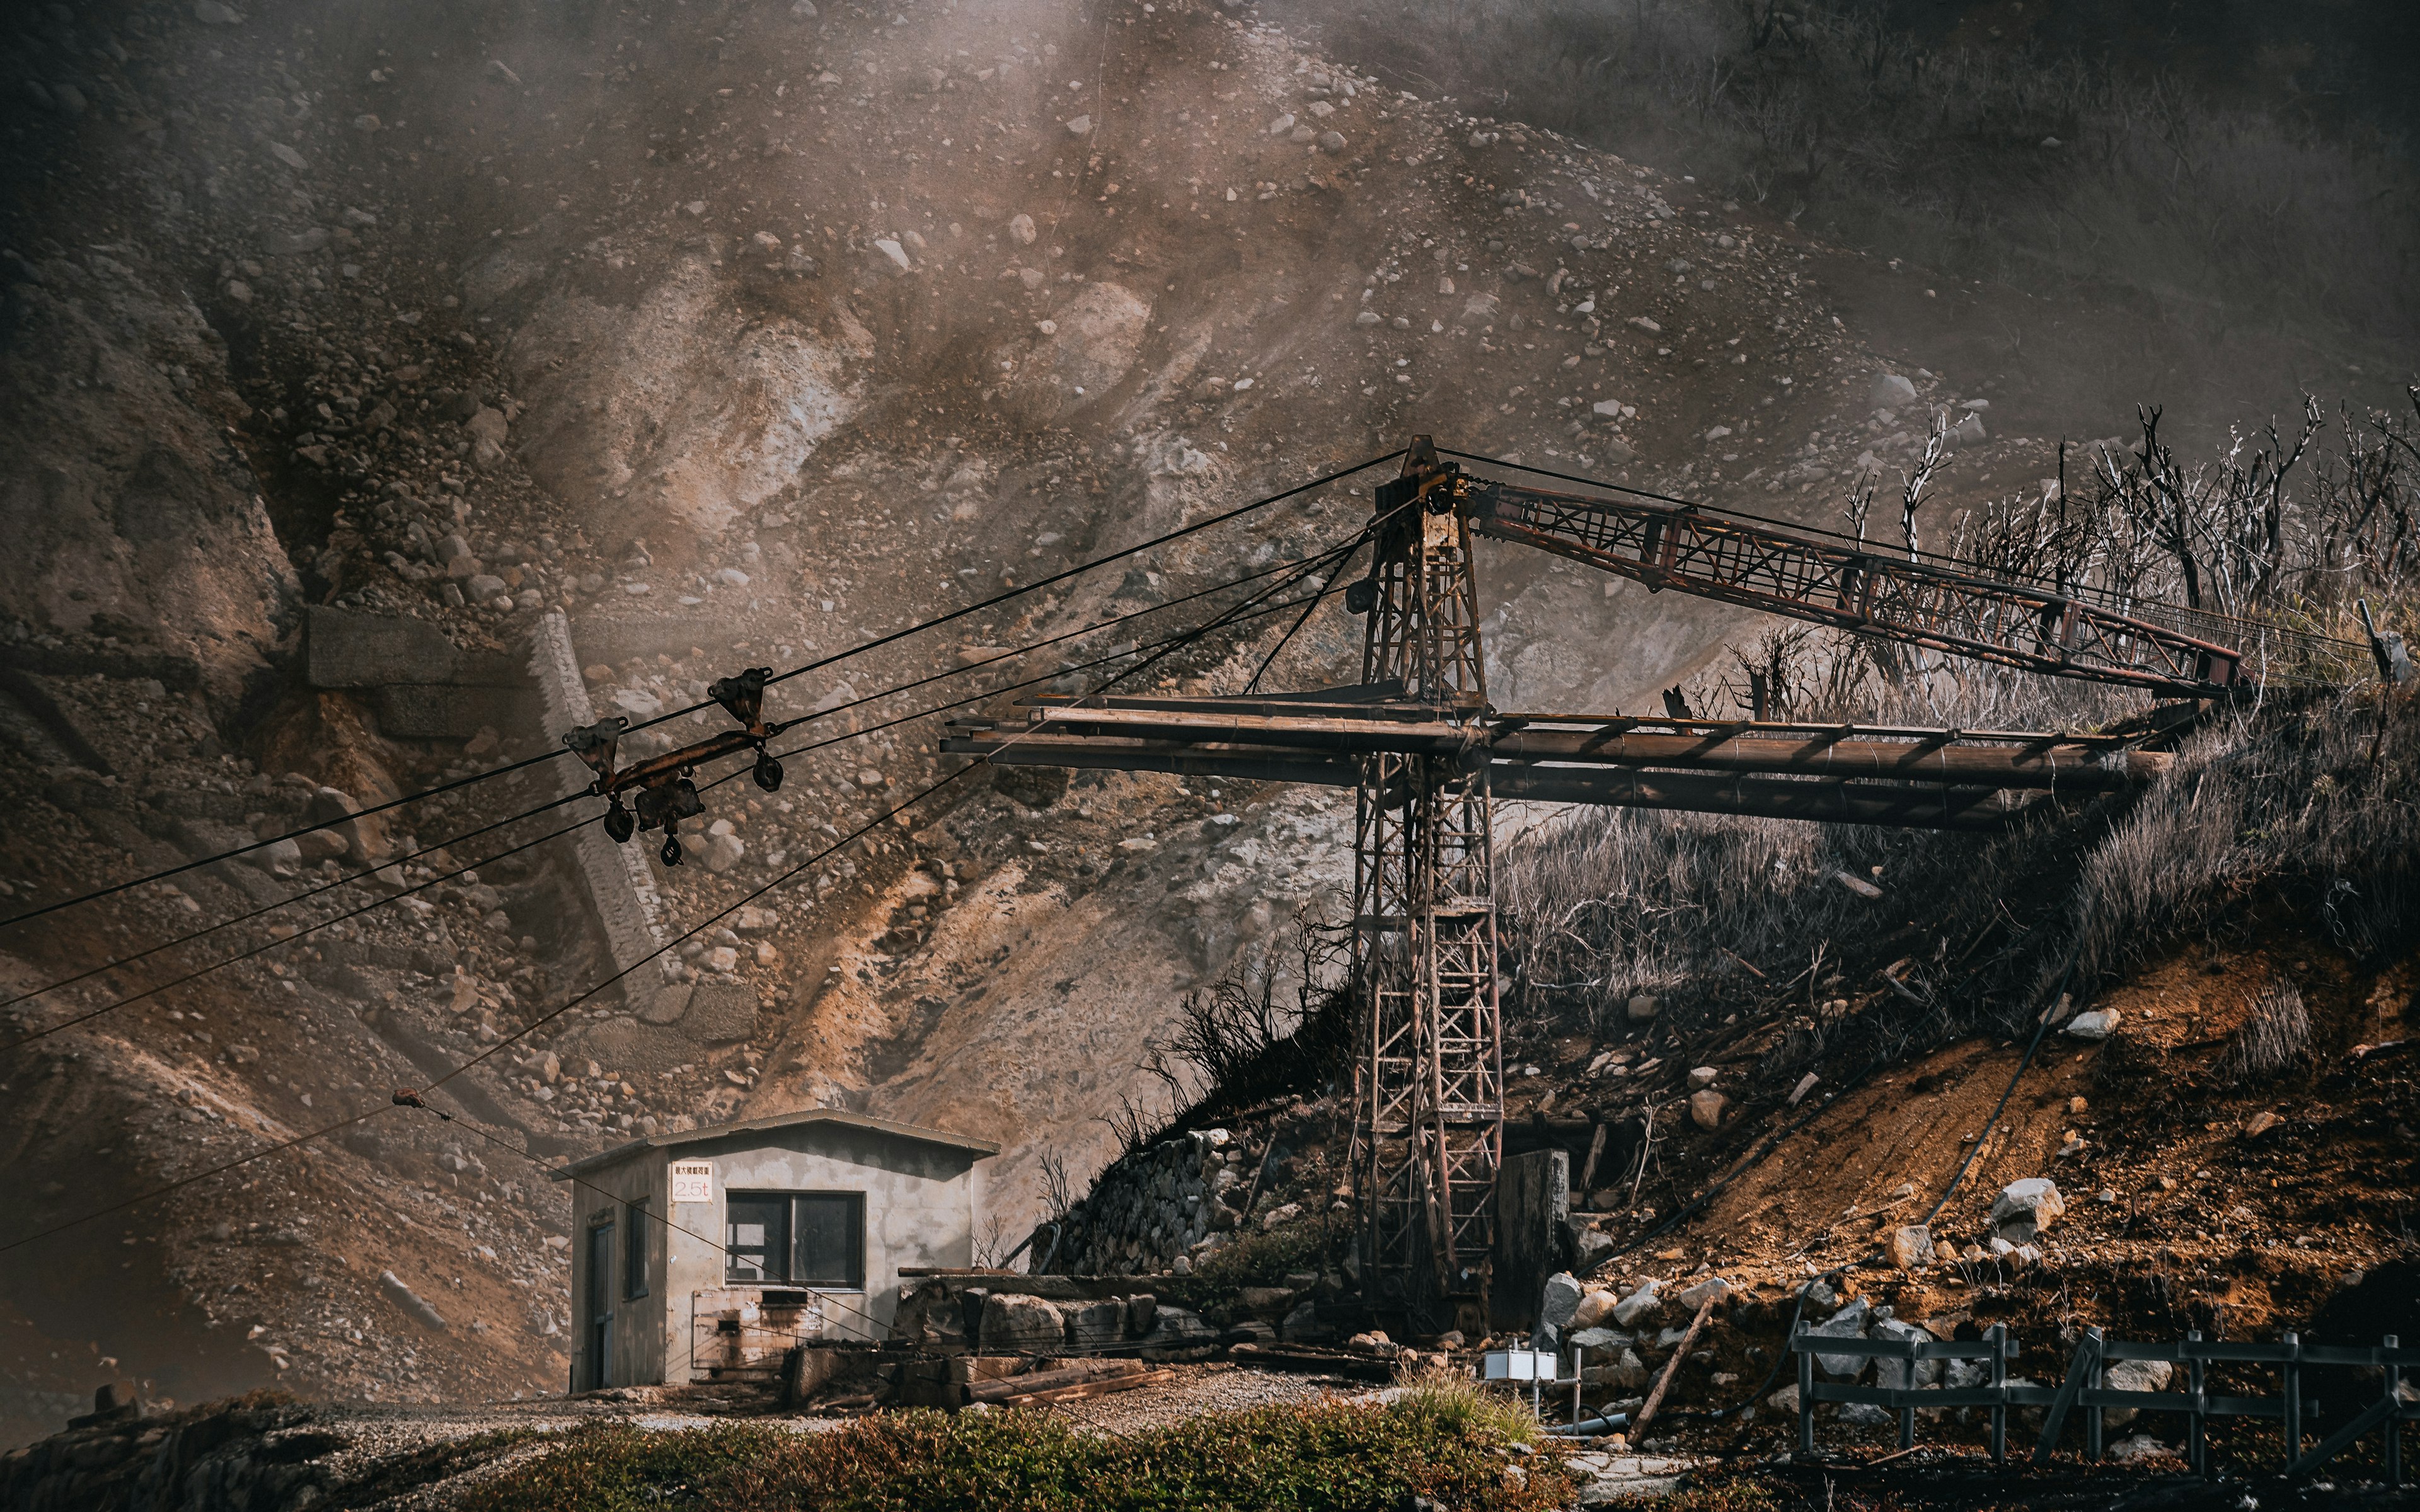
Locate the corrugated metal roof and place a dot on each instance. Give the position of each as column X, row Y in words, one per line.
column 779, row 1120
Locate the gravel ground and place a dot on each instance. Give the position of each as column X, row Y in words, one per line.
column 1206, row 1388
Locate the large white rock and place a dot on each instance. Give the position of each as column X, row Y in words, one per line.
column 2026, row 1208
column 2136, row 1375
column 1012, row 1324
column 1558, row 1306
column 1848, row 1323
column 1638, row 1304
column 1594, row 1307
column 2096, row 1024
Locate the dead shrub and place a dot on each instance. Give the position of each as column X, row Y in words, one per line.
column 2274, row 1040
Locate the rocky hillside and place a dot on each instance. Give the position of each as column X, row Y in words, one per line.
column 739, row 336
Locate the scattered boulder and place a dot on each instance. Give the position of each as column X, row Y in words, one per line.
column 2136, row 1375
column 1848, row 1323
column 2024, row 1209
column 413, row 1304
column 1640, row 1304
column 1013, row 1323
column 1712, row 1289
column 1891, row 392
column 2096, row 1024
column 1706, row 1108
column 1642, row 1008
column 2139, row 1445
column 1594, row 1307
column 1894, row 1375
column 1558, row 1307
column 1910, row 1247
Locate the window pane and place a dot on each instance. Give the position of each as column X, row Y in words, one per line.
column 832, row 1242
column 634, row 1250
column 757, row 1242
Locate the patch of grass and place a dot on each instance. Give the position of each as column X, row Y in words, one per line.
column 1451, row 1404
column 1262, row 1258
column 1325, row 1456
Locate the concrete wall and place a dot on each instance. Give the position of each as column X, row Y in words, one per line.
column 919, row 1212
column 639, row 1334
column 619, row 883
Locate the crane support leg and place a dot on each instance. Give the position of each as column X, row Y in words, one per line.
column 1429, row 1064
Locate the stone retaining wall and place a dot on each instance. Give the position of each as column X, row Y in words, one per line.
column 1162, row 1209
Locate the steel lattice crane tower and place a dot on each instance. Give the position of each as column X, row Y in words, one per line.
column 1426, row 756
column 1429, row 1044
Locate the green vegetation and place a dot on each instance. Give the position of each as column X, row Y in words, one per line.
column 1443, row 1441
column 1262, row 1258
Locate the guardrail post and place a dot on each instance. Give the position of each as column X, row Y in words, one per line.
column 1806, row 1390
column 2394, row 1417
column 1998, row 1339
column 2095, row 1376
column 2292, row 1398
column 2196, row 1418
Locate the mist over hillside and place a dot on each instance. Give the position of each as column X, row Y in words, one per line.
column 355, row 360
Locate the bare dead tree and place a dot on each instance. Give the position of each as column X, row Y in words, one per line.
column 1913, row 484
column 1057, row 1190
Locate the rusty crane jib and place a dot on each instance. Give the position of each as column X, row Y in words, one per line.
column 1427, row 756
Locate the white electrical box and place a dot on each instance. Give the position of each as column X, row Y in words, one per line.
column 1518, row 1364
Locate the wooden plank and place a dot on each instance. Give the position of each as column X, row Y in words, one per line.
column 1090, row 1370
column 1084, row 1390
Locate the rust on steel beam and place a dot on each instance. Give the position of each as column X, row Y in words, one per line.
column 1831, row 800
column 1827, row 800
column 1951, row 761
column 1991, row 758
column 1806, row 577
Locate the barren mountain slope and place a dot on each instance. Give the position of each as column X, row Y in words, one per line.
column 743, row 334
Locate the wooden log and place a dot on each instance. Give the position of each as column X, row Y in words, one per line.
column 992, row 1391
column 1672, row 1369
column 1084, row 1390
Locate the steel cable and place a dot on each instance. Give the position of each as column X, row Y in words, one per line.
column 525, row 763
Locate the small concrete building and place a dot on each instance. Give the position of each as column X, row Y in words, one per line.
column 706, row 1255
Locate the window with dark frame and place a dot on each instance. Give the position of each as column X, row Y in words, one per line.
column 810, row 1239
column 634, row 1252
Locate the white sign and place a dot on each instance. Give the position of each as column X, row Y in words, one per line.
column 692, row 1181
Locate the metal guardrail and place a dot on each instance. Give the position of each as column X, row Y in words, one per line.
column 2085, row 1389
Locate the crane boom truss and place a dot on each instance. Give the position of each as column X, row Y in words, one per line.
column 1804, row 577
column 1427, row 756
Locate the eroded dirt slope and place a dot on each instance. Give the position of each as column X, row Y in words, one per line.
column 743, row 334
